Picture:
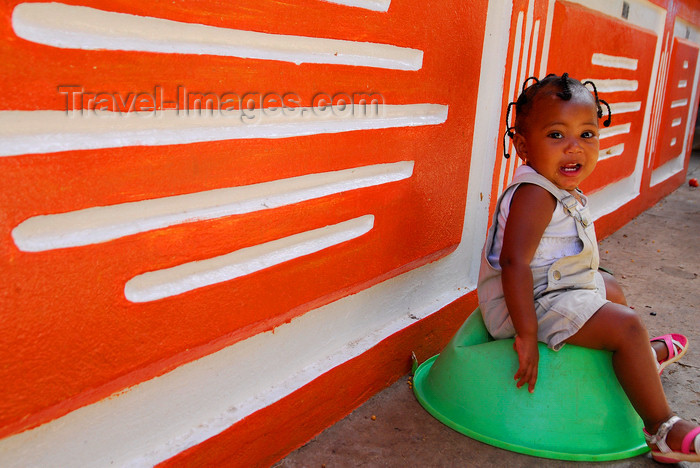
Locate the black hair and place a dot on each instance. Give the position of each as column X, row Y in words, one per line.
column 564, row 84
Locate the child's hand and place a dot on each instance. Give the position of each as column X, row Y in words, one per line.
column 528, row 358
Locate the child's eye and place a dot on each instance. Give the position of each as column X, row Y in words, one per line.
column 555, row 135
column 588, row 134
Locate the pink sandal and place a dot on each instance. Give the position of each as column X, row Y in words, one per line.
column 677, row 346
column 664, row 454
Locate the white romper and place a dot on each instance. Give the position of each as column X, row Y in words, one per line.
column 568, row 289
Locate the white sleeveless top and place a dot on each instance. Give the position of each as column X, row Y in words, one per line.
column 560, row 238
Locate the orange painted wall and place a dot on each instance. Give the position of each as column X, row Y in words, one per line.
column 68, row 335
column 68, row 303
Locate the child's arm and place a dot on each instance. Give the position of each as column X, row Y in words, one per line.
column 530, row 212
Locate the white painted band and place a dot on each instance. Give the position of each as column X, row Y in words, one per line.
column 32, row 132
column 613, row 85
column 612, row 61
column 685, row 30
column 77, row 27
column 179, row 279
column 667, row 170
column 642, row 13
column 615, row 130
column 375, row 5
column 104, row 223
column 679, row 103
column 611, row 152
column 625, row 107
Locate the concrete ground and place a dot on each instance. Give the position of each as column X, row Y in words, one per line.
column 656, row 259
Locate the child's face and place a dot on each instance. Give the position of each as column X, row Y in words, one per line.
column 560, row 138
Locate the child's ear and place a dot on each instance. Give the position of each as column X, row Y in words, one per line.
column 520, row 146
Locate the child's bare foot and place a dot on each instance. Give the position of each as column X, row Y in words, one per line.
column 674, row 441
column 669, row 349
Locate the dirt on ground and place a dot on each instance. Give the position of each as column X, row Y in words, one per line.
column 654, row 257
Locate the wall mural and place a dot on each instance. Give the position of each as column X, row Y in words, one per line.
column 260, row 191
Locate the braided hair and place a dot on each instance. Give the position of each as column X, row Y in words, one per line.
column 564, row 84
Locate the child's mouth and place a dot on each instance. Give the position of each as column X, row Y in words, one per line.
column 571, row 168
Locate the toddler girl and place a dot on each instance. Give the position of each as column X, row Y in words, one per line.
column 539, row 278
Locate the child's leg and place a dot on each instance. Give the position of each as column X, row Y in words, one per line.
column 617, row 328
column 613, row 290
column 614, row 293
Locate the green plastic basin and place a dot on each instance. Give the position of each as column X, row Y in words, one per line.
column 577, row 412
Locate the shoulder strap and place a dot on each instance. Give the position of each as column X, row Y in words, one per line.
column 565, row 198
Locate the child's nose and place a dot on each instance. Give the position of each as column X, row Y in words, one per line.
column 574, row 146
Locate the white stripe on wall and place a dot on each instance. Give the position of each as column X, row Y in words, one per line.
column 656, row 108
column 375, row 5
column 104, row 223
column 612, row 61
column 613, row 85
column 179, row 279
column 611, row 152
column 676, row 122
column 683, row 83
column 547, row 38
column 521, row 62
column 642, row 13
column 525, row 72
column 30, row 132
column 685, row 30
column 668, row 169
column 679, row 103
column 513, row 90
column 77, row 27
column 615, row 130
column 625, row 107
column 535, row 43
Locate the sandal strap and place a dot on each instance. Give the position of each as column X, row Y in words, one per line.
column 659, row 439
column 685, row 445
column 668, row 342
column 656, row 359
column 669, row 346
column 673, row 351
column 672, row 345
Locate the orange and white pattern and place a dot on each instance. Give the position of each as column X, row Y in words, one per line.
column 677, row 111
column 225, row 224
